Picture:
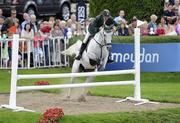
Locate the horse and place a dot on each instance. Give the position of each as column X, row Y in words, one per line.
column 94, row 58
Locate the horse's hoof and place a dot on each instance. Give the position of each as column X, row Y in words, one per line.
column 82, row 99
column 67, row 98
column 88, row 93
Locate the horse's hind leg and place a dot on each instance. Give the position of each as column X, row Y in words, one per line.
column 75, row 69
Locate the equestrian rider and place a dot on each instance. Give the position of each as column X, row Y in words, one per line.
column 94, row 27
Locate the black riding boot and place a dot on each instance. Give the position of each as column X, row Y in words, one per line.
column 83, row 47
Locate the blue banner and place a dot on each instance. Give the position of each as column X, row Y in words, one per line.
column 163, row 57
column 81, row 11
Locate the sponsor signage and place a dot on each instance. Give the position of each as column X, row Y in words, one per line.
column 81, row 12
column 163, row 57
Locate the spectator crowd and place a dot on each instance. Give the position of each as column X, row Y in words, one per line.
column 35, row 31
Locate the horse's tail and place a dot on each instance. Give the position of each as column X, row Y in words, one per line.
column 73, row 49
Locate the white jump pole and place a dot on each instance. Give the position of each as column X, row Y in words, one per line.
column 137, row 88
column 78, row 85
column 14, row 68
column 15, row 48
column 65, row 75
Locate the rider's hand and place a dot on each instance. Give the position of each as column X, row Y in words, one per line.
column 114, row 29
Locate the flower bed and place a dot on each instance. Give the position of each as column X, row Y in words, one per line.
column 52, row 115
column 41, row 83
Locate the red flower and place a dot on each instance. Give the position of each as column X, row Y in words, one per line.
column 52, row 115
column 41, row 83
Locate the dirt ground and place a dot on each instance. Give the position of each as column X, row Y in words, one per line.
column 40, row 101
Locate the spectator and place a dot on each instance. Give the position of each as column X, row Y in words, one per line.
column 56, row 32
column 119, row 19
column 1, row 22
column 56, row 45
column 152, row 26
column 79, row 31
column 172, row 2
column 73, row 24
column 169, row 14
column 44, row 32
column 26, row 20
column 70, row 29
column 1, row 14
column 123, row 30
column 64, row 28
column 18, row 28
column 10, row 22
column 162, row 23
column 171, row 28
column 13, row 15
column 132, row 26
column 10, row 36
column 33, row 24
column 51, row 21
column 27, row 32
column 162, row 27
column 144, row 29
column 178, row 27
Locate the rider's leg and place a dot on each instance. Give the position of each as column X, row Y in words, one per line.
column 83, row 46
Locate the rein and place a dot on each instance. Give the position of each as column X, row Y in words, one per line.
column 101, row 46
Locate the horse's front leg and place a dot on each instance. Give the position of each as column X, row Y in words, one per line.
column 82, row 97
column 75, row 69
column 104, row 60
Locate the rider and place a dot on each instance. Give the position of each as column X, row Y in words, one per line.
column 93, row 28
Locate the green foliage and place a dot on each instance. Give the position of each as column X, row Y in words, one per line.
column 140, row 8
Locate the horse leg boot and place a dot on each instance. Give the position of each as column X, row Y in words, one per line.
column 109, row 57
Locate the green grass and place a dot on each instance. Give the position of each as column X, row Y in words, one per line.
column 164, row 87
column 160, row 116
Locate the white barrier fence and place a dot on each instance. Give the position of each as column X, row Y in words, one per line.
column 34, row 54
column 135, row 82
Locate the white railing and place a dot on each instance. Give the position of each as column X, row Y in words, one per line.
column 34, row 54
column 135, row 82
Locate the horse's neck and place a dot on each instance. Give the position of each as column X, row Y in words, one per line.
column 99, row 37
